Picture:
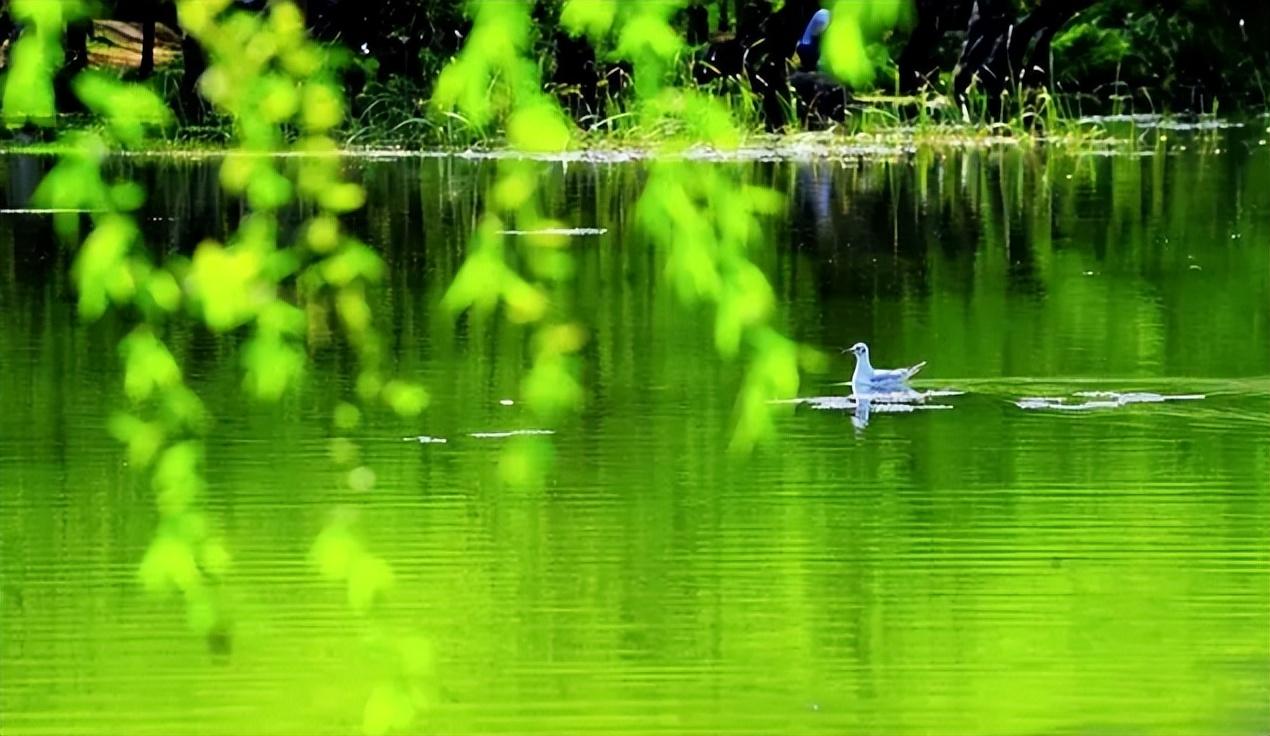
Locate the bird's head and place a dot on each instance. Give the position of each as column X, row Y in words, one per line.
column 859, row 350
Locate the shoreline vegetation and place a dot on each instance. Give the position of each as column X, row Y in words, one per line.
column 1121, row 134
column 1110, row 80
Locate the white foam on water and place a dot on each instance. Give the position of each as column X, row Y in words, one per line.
column 510, row 433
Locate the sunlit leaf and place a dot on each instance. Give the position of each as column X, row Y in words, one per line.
column 541, row 127
column 273, row 365
column 147, row 364
column 142, row 438
column 223, row 280
column 334, row 551
column 322, row 108
column 418, row 656
column 323, row 233
column 388, row 709
column 525, row 302
column 163, row 290
column 268, row 189
column 369, row 578
column 176, row 479
column 346, row 416
column 361, row 479
column 169, row 565
column 101, row 270
column 127, row 108
column 214, row 557
column 406, row 399
column 344, row 197
column 589, row 17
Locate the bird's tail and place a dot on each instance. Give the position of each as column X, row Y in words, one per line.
column 913, row 371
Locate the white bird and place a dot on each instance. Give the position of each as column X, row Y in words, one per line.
column 868, row 379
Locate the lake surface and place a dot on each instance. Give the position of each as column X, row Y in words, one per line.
column 983, row 569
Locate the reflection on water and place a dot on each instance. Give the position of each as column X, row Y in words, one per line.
column 974, row 570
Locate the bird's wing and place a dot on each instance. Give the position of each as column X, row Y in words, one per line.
column 897, row 374
column 912, row 370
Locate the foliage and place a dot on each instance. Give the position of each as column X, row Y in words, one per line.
column 274, row 84
column 1182, row 53
column 277, row 292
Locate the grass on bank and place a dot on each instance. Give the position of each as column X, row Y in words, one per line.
column 396, row 115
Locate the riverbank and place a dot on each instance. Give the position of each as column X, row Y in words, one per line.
column 1124, row 134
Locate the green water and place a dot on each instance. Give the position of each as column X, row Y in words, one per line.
column 976, row 570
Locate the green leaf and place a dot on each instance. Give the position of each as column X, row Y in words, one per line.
column 323, row 107
column 346, row 416
column 388, row 709
column 176, row 480
column 406, row 399
column 127, row 108
column 369, row 578
column 334, row 552
column 590, row 17
column 268, row 189
column 169, row 565
column 539, row 128
column 344, row 197
column 142, row 438
column 147, row 365
column 223, row 281
column 101, row 269
column 273, row 365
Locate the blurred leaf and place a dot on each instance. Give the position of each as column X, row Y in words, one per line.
column 525, row 461
column 223, row 281
column 279, row 97
column 147, row 364
column 176, row 479
column 236, row 170
column 323, row 107
column 127, row 108
column 163, row 290
column 127, row 196
column 142, row 438
column 201, row 614
column 353, row 310
column 525, row 302
column 648, row 34
column 343, row 197
column 368, row 579
column 268, row 189
column 353, row 261
column 388, row 709
column 346, row 416
column 282, row 318
column 183, row 410
column 273, row 365
column 369, row 384
column 361, row 479
column 418, row 657
column 588, row 17
column 214, row 557
column 551, row 387
column 169, row 565
column 406, row 399
column 101, row 270
column 334, row 551
column 539, row 128
column 855, row 27
column 323, row 233
column 561, row 339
